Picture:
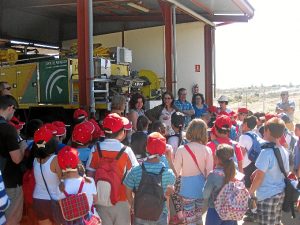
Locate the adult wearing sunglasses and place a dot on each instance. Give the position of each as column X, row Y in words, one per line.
column 5, row 88
column 286, row 106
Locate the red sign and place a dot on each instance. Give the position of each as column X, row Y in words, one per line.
column 197, row 68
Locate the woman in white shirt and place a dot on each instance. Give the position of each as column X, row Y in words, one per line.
column 47, row 176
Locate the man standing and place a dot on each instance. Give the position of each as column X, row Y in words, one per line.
column 286, row 106
column 223, row 102
column 184, row 106
column 11, row 156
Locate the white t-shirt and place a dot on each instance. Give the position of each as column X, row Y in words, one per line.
column 165, row 118
column 72, row 186
column 246, row 142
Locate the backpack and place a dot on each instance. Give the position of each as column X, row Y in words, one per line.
column 149, row 197
column 74, row 206
column 109, row 178
column 232, row 201
column 255, row 149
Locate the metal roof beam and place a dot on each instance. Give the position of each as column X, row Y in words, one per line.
column 191, row 12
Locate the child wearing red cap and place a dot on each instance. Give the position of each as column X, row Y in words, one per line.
column 114, row 129
column 156, row 147
column 47, row 175
column 81, row 138
column 222, row 129
column 68, row 160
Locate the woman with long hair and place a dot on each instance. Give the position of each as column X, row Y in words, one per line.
column 164, row 111
column 199, row 105
column 136, row 105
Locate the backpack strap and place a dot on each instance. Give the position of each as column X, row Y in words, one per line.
column 193, row 157
column 121, row 152
column 118, row 155
column 161, row 170
column 81, row 186
column 216, row 143
column 279, row 160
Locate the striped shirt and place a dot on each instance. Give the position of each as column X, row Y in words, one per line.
column 133, row 178
column 4, row 201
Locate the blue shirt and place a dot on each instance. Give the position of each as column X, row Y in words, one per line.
column 184, row 106
column 213, row 185
column 200, row 112
column 133, row 178
column 84, row 154
column 273, row 182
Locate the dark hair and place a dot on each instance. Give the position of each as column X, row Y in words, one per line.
column 134, row 99
column 251, row 122
column 138, row 143
column 225, row 154
column 157, row 125
column 180, row 90
column 177, row 120
column 142, row 123
column 297, row 125
column 32, row 126
column 196, row 95
column 276, row 126
column 43, row 152
column 221, row 131
column 167, row 93
column 113, row 135
column 6, row 101
column 258, row 115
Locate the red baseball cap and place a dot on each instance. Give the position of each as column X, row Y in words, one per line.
column 233, row 114
column 156, row 144
column 212, row 109
column 60, row 128
column 112, row 123
column 243, row 110
column 80, row 114
column 223, row 122
column 83, row 133
column 43, row 135
column 68, row 159
column 270, row 115
column 16, row 123
column 97, row 131
column 51, row 127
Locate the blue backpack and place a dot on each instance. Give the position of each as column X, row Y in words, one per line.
column 255, row 149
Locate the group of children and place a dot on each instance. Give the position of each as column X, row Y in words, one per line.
column 149, row 177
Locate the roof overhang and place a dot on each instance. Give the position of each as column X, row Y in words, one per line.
column 53, row 21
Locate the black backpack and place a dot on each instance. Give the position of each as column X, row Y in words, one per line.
column 149, row 197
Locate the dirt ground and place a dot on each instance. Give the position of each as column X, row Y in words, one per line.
column 258, row 99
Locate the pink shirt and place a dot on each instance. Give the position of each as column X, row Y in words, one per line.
column 185, row 165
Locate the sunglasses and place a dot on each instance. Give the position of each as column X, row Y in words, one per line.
column 222, row 102
column 167, row 98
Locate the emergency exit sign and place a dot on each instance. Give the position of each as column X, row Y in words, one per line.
column 197, row 68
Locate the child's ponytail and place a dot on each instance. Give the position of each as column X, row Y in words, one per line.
column 225, row 154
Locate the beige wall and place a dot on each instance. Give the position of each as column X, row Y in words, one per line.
column 147, row 47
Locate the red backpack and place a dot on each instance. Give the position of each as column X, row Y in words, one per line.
column 108, row 178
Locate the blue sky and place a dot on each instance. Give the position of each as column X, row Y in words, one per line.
column 266, row 50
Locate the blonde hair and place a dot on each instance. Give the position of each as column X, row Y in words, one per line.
column 197, row 131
